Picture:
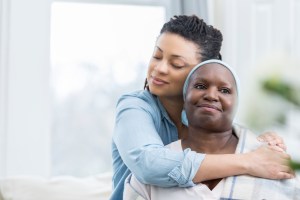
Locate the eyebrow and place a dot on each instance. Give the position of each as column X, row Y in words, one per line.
column 173, row 55
column 227, row 84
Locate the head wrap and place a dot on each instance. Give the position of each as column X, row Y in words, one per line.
column 187, row 81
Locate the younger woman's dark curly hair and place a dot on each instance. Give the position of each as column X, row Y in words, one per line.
column 192, row 28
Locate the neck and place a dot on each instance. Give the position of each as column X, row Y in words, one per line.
column 174, row 106
column 205, row 141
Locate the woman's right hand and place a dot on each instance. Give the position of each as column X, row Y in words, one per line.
column 270, row 163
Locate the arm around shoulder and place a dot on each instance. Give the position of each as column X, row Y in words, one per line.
column 142, row 150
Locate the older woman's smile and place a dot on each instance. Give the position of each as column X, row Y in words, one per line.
column 209, row 107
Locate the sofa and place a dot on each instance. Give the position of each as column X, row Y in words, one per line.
column 96, row 187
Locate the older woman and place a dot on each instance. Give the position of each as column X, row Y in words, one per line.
column 210, row 101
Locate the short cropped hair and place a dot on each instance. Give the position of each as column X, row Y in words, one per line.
column 192, row 28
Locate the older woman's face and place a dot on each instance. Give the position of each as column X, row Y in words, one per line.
column 211, row 98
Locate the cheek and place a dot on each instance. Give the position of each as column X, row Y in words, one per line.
column 194, row 96
column 231, row 105
column 179, row 77
column 151, row 66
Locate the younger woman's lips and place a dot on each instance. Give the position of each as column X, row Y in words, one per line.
column 158, row 81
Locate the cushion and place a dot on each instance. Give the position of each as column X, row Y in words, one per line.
column 56, row 188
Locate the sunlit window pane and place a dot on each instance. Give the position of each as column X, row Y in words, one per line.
column 98, row 52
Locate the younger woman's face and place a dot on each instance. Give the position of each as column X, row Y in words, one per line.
column 211, row 98
column 172, row 60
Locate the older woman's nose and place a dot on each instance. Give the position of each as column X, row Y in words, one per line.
column 211, row 94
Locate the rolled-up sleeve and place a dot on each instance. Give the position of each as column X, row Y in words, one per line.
column 142, row 150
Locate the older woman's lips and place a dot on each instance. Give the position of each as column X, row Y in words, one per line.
column 158, row 81
column 209, row 107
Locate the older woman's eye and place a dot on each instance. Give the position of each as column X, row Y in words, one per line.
column 200, row 86
column 225, row 91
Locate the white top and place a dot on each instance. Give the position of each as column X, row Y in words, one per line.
column 135, row 190
column 233, row 187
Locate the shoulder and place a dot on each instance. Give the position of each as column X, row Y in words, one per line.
column 176, row 146
column 140, row 98
column 241, row 130
column 247, row 139
column 134, row 189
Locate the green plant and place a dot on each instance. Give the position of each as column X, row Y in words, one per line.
column 295, row 165
column 281, row 88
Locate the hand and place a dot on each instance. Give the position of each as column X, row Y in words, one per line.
column 272, row 139
column 265, row 162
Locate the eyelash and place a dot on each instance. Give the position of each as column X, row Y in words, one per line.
column 200, row 85
column 222, row 90
column 177, row 67
column 156, row 57
column 225, row 89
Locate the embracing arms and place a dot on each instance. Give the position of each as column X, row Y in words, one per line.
column 264, row 162
column 141, row 149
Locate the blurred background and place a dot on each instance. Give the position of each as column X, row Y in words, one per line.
column 64, row 63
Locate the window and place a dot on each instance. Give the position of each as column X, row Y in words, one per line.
column 98, row 52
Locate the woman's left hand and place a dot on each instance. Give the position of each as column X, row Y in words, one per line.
column 273, row 140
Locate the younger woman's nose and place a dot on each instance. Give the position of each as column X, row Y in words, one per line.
column 162, row 67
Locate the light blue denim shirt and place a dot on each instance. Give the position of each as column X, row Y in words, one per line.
column 142, row 129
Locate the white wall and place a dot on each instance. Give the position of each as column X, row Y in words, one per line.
column 24, row 104
column 3, row 83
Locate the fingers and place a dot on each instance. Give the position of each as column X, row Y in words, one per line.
column 280, row 153
column 272, row 139
column 285, row 175
column 270, row 162
column 282, row 146
column 269, row 136
column 276, row 148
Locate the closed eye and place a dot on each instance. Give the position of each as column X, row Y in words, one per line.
column 177, row 66
column 156, row 57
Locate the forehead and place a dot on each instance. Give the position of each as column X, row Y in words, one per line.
column 174, row 44
column 214, row 72
column 213, row 68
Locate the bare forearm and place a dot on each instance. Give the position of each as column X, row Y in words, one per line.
column 264, row 162
column 220, row 166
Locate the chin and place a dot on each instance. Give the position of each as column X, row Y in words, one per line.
column 153, row 90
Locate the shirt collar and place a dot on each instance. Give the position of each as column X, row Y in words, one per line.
column 163, row 110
